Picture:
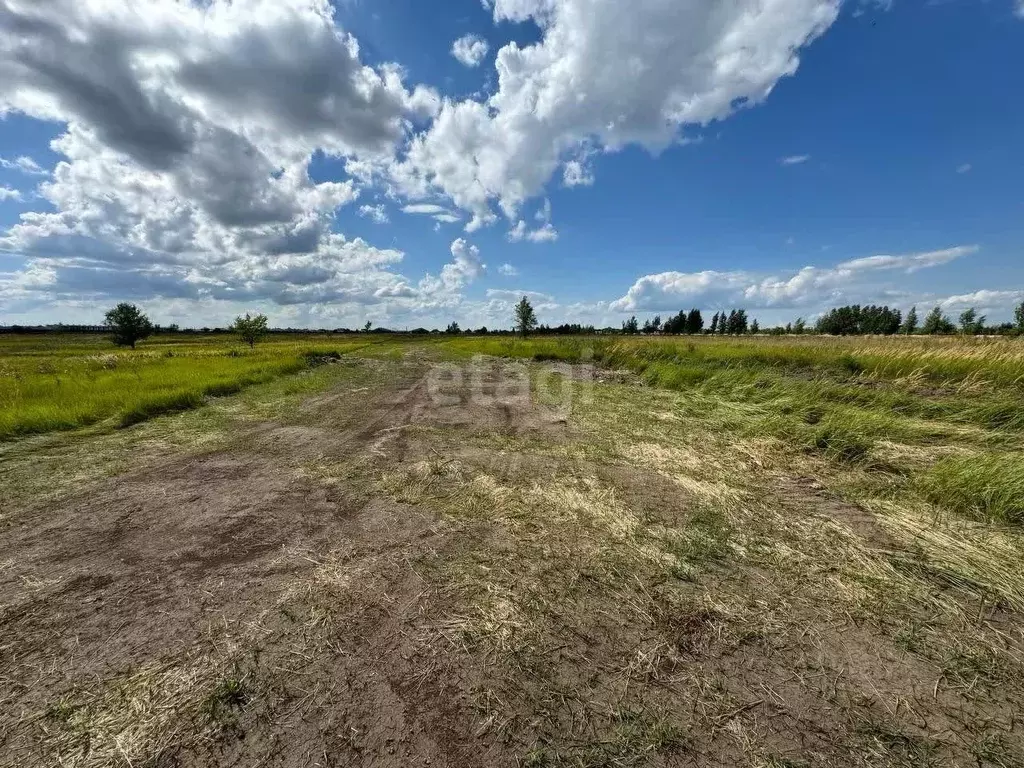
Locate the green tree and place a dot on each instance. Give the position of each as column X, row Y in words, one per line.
column 799, row 326
column 128, row 325
column 526, row 318
column 631, row 326
column 694, row 321
column 714, row 323
column 367, row 327
column 970, row 322
column 755, row 328
column 453, row 328
column 250, row 328
column 936, row 322
column 910, row 324
column 1018, row 318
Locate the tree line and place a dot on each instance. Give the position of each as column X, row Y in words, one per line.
column 128, row 324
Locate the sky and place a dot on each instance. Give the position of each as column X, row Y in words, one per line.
column 411, row 164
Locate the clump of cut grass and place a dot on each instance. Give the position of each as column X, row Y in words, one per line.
column 984, row 486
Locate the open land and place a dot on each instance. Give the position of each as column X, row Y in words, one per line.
column 459, row 551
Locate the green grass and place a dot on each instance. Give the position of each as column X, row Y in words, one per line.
column 983, row 486
column 894, row 406
column 53, row 383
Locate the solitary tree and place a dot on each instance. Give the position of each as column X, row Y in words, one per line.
column 250, row 328
column 1018, row 318
column 128, row 325
column 799, row 326
column 526, row 318
column 910, row 323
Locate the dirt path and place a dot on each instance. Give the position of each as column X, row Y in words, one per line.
column 173, row 579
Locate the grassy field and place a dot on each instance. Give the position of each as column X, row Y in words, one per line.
column 50, row 383
column 757, row 552
column 939, row 417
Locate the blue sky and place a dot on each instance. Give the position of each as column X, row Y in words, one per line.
column 294, row 158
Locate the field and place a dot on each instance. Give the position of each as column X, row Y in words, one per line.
column 484, row 551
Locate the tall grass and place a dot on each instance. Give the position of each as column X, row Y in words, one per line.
column 985, row 487
column 55, row 383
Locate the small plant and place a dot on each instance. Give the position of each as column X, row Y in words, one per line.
column 228, row 698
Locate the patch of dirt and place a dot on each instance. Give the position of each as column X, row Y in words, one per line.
column 224, row 548
column 806, row 493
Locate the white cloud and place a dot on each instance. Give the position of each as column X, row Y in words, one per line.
column 966, row 167
column 470, row 50
column 605, row 75
column 465, row 266
column 24, row 164
column 795, row 159
column 508, row 270
column 545, row 233
column 575, row 173
column 811, row 285
column 984, row 300
column 509, row 295
column 439, row 213
column 185, row 161
column 910, row 262
column 377, row 213
column 9, row 193
column 1020, row 9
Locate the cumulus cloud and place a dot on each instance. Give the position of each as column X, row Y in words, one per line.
column 508, row 270
column 470, row 50
column 24, row 164
column 376, row 213
column 607, row 75
column 9, row 193
column 795, row 159
column 185, row 160
column 465, row 266
column 811, row 285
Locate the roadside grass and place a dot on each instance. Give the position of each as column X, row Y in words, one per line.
column 52, row 384
column 41, row 468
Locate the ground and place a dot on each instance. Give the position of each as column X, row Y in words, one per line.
column 386, row 561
